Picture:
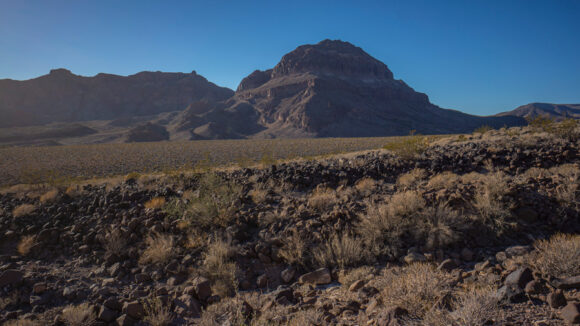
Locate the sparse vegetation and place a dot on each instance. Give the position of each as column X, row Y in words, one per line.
column 78, row 315
column 559, row 256
column 155, row 203
column 483, row 129
column 408, row 147
column 26, row 244
column 159, row 250
column 23, row 210
column 340, row 251
column 322, row 199
column 219, row 267
column 156, row 313
column 49, row 196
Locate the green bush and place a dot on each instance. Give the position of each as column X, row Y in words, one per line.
column 408, row 147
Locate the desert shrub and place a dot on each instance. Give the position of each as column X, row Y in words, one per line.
column 215, row 203
column 540, row 123
column 476, row 307
column 23, row 210
column 25, row 244
column 559, row 256
column 322, row 199
column 218, row 266
column 132, row 176
column 22, row 322
column 267, row 159
column 49, row 196
column 410, row 179
column 259, row 195
column 155, row 203
column 408, row 147
column 406, row 203
column 115, row 243
column 156, row 313
column 483, row 129
column 347, row 278
column 490, row 210
column 443, row 180
column 229, row 311
column 340, row 251
column 567, row 129
column 159, row 250
column 439, row 227
column 416, row 287
column 79, row 315
column 365, row 185
column 306, row 317
column 294, row 250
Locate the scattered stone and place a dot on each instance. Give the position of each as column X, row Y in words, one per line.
column 107, row 314
column 187, row 305
column 10, row 277
column 520, row 277
column 125, row 320
column 533, row 287
column 447, row 265
column 414, row 257
column 202, row 288
column 134, row 309
column 567, row 283
column 39, row 288
column 356, row 285
column 556, row 299
column 571, row 313
column 318, row 277
column 287, row 275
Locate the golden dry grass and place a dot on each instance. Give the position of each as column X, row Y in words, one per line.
column 115, row 243
column 156, row 313
column 366, row 186
column 340, row 251
column 322, row 199
column 219, row 267
column 411, row 179
column 79, row 315
column 23, row 210
column 25, row 244
column 416, row 287
column 155, row 203
column 49, row 196
column 159, row 250
column 443, row 180
column 559, row 256
column 294, row 250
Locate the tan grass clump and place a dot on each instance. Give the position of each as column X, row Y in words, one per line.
column 156, row 313
column 340, row 251
column 155, row 203
column 293, row 252
column 406, row 203
column 347, row 278
column 160, row 249
column 25, row 245
column 22, row 322
column 80, row 315
column 322, row 199
column 411, row 179
column 259, row 195
column 366, row 186
column 559, row 256
column 115, row 243
column 49, row 197
column 23, row 210
column 416, row 287
column 219, row 267
column 476, row 307
column 444, row 180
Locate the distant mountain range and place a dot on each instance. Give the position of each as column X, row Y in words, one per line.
column 329, row 89
column 554, row 111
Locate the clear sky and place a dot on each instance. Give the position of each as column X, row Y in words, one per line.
column 478, row 56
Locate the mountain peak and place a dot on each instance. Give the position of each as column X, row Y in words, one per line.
column 333, row 57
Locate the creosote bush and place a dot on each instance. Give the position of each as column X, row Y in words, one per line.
column 214, row 205
column 322, row 199
column 559, row 256
column 408, row 147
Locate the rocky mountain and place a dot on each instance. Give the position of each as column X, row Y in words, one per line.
column 64, row 97
column 554, row 111
column 329, row 89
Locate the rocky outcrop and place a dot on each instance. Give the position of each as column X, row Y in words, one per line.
column 335, row 89
column 147, row 132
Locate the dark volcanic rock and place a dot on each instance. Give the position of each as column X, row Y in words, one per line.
column 147, row 132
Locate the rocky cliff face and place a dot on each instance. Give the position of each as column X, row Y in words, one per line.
column 64, row 97
column 335, row 89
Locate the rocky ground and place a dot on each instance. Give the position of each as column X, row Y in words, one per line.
column 476, row 230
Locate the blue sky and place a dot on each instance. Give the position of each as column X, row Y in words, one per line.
column 481, row 57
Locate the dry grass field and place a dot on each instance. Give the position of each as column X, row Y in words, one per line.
column 56, row 164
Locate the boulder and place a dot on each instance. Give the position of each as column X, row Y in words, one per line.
column 571, row 313
column 10, row 277
column 318, row 277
